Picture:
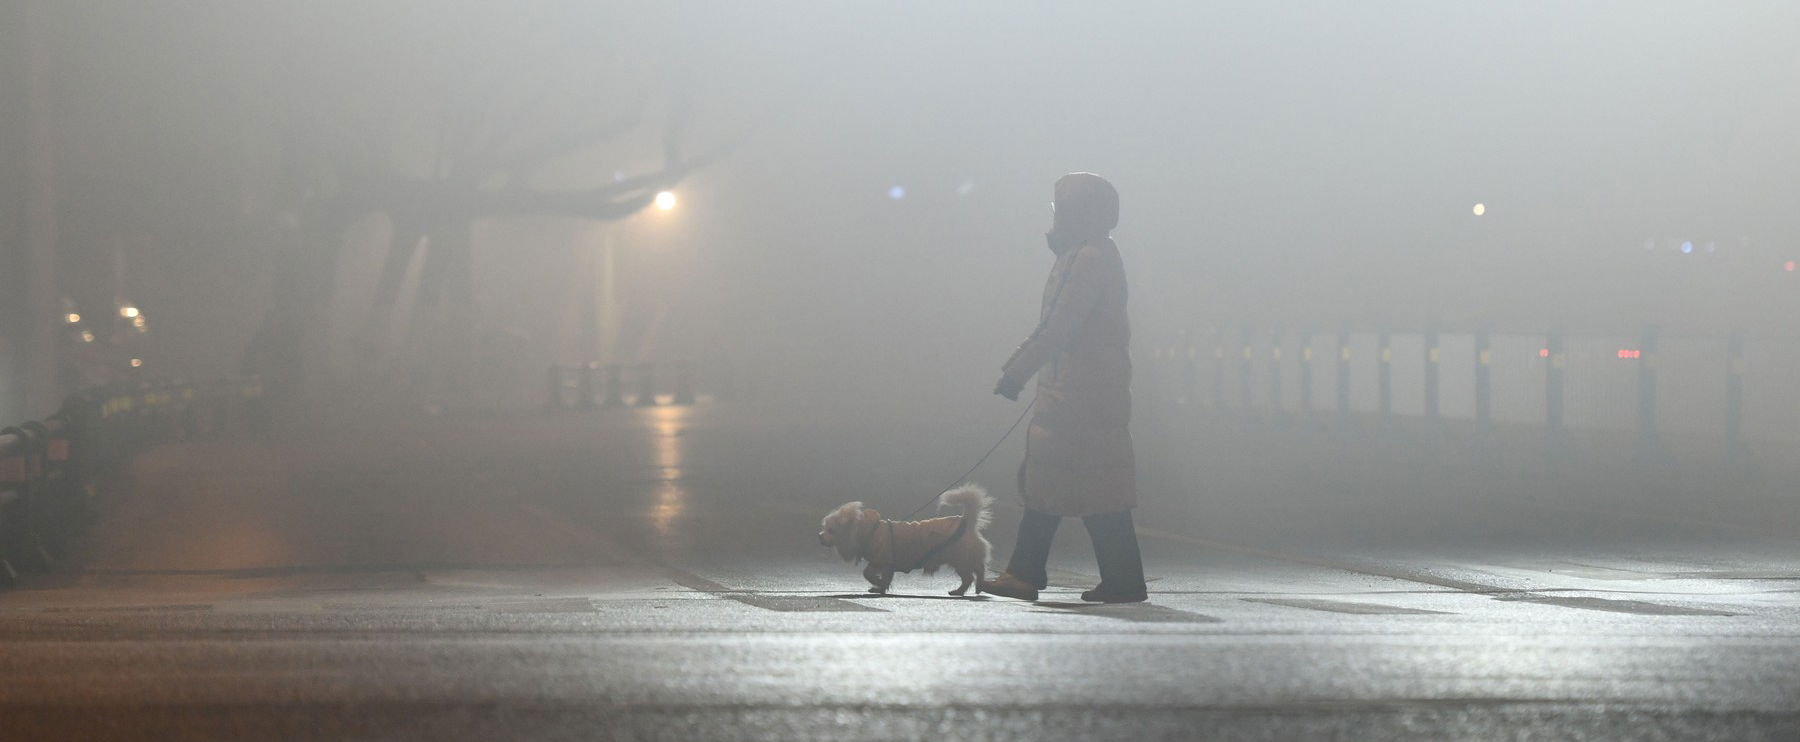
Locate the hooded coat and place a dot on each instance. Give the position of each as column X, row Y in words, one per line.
column 1078, row 454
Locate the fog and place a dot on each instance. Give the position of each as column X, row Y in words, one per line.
column 864, row 235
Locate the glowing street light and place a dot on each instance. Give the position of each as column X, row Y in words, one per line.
column 665, row 200
column 128, row 312
column 72, row 318
column 1480, row 209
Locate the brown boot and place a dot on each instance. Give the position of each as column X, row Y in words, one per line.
column 1008, row 586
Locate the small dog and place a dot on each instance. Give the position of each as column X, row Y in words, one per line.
column 860, row 534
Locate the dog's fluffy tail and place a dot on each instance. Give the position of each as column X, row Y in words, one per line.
column 973, row 500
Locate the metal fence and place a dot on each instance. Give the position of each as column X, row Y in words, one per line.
column 1737, row 390
column 48, row 468
column 597, row 385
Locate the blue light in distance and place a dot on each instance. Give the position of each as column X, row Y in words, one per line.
column 897, row 192
column 1687, row 247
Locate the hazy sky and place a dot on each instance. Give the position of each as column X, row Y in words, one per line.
column 1307, row 163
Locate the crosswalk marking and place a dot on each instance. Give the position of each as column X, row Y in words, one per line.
column 1345, row 606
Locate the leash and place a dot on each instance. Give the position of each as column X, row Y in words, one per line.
column 978, row 463
column 1055, row 299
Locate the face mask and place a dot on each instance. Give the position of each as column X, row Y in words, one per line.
column 1057, row 240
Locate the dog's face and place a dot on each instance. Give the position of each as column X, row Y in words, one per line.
column 839, row 530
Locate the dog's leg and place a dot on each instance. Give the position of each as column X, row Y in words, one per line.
column 878, row 578
column 968, row 578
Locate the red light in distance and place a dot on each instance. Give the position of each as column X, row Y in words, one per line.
column 1630, row 353
column 1543, row 352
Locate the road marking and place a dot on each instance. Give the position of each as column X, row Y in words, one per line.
column 1345, row 606
column 1634, row 607
column 1407, row 575
column 1130, row 612
column 778, row 603
column 1637, row 607
column 691, row 581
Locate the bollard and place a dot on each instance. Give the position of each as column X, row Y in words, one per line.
column 1431, row 374
column 1190, row 370
column 1557, row 450
column 684, row 384
column 1275, row 370
column 1649, row 444
column 1343, row 373
column 1243, row 364
column 646, row 396
column 1218, row 376
column 1734, row 399
column 1385, row 374
column 1553, row 381
column 1306, row 372
column 584, row 386
column 1484, row 381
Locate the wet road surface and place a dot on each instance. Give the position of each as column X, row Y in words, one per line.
column 655, row 574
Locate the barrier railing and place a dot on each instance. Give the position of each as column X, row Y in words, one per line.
column 1736, row 389
column 48, row 468
column 594, row 385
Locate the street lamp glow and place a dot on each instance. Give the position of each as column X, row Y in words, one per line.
column 665, row 200
column 72, row 318
column 128, row 312
column 1480, row 209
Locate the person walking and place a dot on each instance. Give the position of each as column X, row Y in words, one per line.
column 1078, row 455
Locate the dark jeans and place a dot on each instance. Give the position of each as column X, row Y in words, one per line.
column 1115, row 549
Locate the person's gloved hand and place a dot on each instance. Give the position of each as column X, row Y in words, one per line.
column 1009, row 388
